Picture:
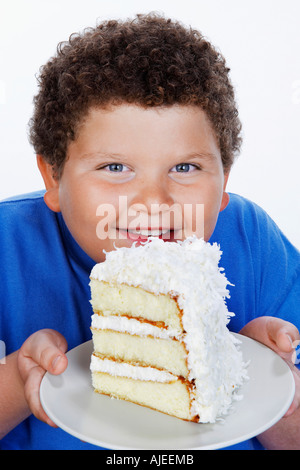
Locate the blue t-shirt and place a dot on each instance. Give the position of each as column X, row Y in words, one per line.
column 44, row 283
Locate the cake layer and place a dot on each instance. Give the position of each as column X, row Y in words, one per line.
column 113, row 367
column 171, row 398
column 165, row 354
column 135, row 302
column 132, row 326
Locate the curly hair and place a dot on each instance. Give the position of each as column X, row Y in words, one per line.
column 148, row 61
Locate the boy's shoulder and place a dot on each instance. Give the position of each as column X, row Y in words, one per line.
column 242, row 205
column 244, row 222
column 22, row 198
column 260, row 261
column 22, row 205
column 241, row 213
column 248, row 215
column 25, row 214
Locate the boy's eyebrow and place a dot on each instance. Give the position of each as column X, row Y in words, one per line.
column 101, row 154
column 184, row 157
column 205, row 155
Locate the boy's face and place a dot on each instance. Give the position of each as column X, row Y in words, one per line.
column 135, row 172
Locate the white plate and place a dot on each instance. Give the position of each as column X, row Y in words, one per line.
column 69, row 400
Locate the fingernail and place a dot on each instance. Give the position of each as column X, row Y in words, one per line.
column 290, row 339
column 56, row 361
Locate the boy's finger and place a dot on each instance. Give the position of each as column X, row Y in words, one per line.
column 32, row 394
column 44, row 348
column 283, row 334
column 53, row 360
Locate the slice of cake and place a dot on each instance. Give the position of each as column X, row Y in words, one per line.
column 160, row 331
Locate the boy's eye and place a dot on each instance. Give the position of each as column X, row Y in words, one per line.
column 115, row 167
column 184, row 168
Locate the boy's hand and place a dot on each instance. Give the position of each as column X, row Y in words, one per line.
column 282, row 337
column 42, row 351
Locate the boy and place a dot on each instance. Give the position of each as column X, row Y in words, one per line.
column 142, row 109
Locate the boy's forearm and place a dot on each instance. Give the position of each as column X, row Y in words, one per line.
column 284, row 435
column 13, row 406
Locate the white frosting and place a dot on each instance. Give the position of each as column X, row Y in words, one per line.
column 123, row 369
column 130, row 325
column 190, row 271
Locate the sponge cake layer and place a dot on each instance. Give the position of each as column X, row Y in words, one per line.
column 168, row 354
column 171, row 398
column 135, row 302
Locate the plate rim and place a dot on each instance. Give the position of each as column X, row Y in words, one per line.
column 213, row 446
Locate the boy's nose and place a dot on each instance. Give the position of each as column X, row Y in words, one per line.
column 152, row 194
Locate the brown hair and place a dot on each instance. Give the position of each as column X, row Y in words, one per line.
column 148, row 61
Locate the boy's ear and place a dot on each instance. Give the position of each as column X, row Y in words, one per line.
column 225, row 197
column 51, row 196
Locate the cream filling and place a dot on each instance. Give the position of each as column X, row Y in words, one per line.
column 131, row 326
column 122, row 369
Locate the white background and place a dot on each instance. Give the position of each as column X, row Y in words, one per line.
column 261, row 42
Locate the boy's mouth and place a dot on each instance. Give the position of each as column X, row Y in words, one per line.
column 144, row 233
